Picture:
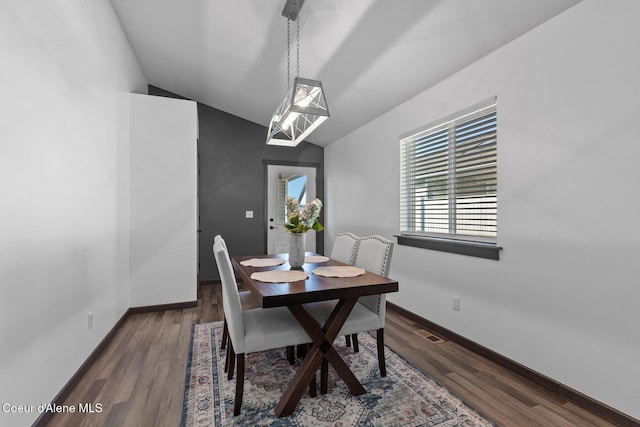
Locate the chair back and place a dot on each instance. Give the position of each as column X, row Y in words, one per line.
column 230, row 297
column 374, row 255
column 345, row 247
column 218, row 238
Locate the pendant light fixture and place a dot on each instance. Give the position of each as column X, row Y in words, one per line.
column 304, row 107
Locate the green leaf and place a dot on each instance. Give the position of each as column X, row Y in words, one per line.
column 317, row 226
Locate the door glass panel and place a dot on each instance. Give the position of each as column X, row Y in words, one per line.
column 290, row 185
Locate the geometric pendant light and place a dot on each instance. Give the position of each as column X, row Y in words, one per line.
column 302, row 110
column 304, row 107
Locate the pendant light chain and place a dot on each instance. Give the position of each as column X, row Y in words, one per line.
column 288, row 52
column 298, row 47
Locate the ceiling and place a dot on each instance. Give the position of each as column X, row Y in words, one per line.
column 371, row 55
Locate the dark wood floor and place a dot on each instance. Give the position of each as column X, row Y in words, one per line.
column 139, row 378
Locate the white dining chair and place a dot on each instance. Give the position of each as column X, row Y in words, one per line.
column 345, row 247
column 374, row 255
column 252, row 330
column 247, row 301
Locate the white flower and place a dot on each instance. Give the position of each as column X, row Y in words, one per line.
column 305, row 219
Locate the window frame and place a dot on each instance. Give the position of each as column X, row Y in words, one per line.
column 465, row 244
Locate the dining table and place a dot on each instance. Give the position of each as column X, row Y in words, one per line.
column 314, row 288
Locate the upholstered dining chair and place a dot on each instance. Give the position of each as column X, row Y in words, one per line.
column 344, row 250
column 247, row 302
column 374, row 254
column 252, row 330
column 345, row 247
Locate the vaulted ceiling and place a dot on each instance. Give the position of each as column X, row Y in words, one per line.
column 371, row 55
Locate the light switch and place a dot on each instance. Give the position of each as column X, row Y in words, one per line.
column 248, row 214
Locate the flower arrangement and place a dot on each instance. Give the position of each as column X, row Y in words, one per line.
column 304, row 219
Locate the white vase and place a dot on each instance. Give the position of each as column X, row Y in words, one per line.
column 297, row 244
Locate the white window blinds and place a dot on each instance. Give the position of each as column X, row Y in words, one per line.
column 448, row 176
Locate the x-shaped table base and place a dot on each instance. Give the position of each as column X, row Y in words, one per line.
column 321, row 349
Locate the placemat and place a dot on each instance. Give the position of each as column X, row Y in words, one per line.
column 315, row 259
column 262, row 262
column 339, row 271
column 279, row 276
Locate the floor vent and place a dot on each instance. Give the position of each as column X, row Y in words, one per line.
column 429, row 336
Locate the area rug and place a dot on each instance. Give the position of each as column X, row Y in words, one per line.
column 405, row 397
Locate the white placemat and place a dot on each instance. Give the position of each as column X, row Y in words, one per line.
column 339, row 271
column 315, row 259
column 279, row 276
column 262, row 262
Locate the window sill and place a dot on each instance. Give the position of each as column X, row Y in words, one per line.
column 461, row 247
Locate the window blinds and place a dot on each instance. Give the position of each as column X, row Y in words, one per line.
column 449, row 176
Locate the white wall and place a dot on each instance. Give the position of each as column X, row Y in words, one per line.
column 163, row 198
column 64, row 156
column 563, row 299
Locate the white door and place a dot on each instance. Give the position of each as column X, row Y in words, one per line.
column 283, row 181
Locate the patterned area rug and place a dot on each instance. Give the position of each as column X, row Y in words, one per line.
column 405, row 397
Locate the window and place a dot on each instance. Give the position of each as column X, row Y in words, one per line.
column 448, row 177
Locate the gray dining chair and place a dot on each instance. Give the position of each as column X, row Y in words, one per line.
column 252, row 330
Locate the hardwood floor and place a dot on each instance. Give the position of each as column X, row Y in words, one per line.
column 139, row 378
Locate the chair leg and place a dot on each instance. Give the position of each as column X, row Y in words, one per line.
column 381, row 361
column 225, row 335
column 324, row 376
column 239, row 385
column 302, row 350
column 313, row 389
column 232, row 359
column 354, row 339
column 226, row 359
column 347, row 338
column 291, row 355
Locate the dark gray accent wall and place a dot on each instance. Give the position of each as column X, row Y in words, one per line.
column 232, row 161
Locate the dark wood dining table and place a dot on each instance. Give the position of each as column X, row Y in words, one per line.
column 315, row 288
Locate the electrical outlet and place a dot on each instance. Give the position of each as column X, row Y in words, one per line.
column 456, row 303
column 90, row 320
